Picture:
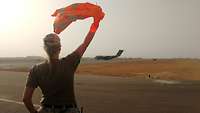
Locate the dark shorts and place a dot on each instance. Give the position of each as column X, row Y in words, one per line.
column 58, row 110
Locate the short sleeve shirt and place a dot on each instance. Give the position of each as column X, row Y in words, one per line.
column 55, row 80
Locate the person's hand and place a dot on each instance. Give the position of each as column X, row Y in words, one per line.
column 97, row 20
column 94, row 26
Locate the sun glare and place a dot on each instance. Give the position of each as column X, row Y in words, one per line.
column 11, row 12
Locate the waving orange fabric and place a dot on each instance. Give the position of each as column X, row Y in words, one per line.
column 65, row 16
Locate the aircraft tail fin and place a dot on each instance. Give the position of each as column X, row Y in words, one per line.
column 119, row 53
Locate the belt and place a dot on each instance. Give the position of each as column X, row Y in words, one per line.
column 60, row 106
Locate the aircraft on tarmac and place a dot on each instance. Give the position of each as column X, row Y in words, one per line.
column 119, row 53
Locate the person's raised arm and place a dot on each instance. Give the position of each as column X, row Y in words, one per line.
column 82, row 48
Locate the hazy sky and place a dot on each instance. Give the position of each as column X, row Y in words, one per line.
column 143, row 28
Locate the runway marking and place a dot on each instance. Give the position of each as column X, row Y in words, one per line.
column 15, row 102
column 167, row 81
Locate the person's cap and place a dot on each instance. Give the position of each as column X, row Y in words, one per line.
column 51, row 40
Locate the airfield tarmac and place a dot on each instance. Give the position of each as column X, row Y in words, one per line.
column 106, row 94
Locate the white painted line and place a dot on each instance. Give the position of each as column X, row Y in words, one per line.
column 15, row 102
column 167, row 81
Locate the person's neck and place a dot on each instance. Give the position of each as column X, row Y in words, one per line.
column 53, row 60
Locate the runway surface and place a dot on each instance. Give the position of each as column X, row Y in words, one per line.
column 102, row 94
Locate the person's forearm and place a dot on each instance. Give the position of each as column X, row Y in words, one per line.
column 88, row 39
column 81, row 49
column 91, row 34
column 29, row 106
